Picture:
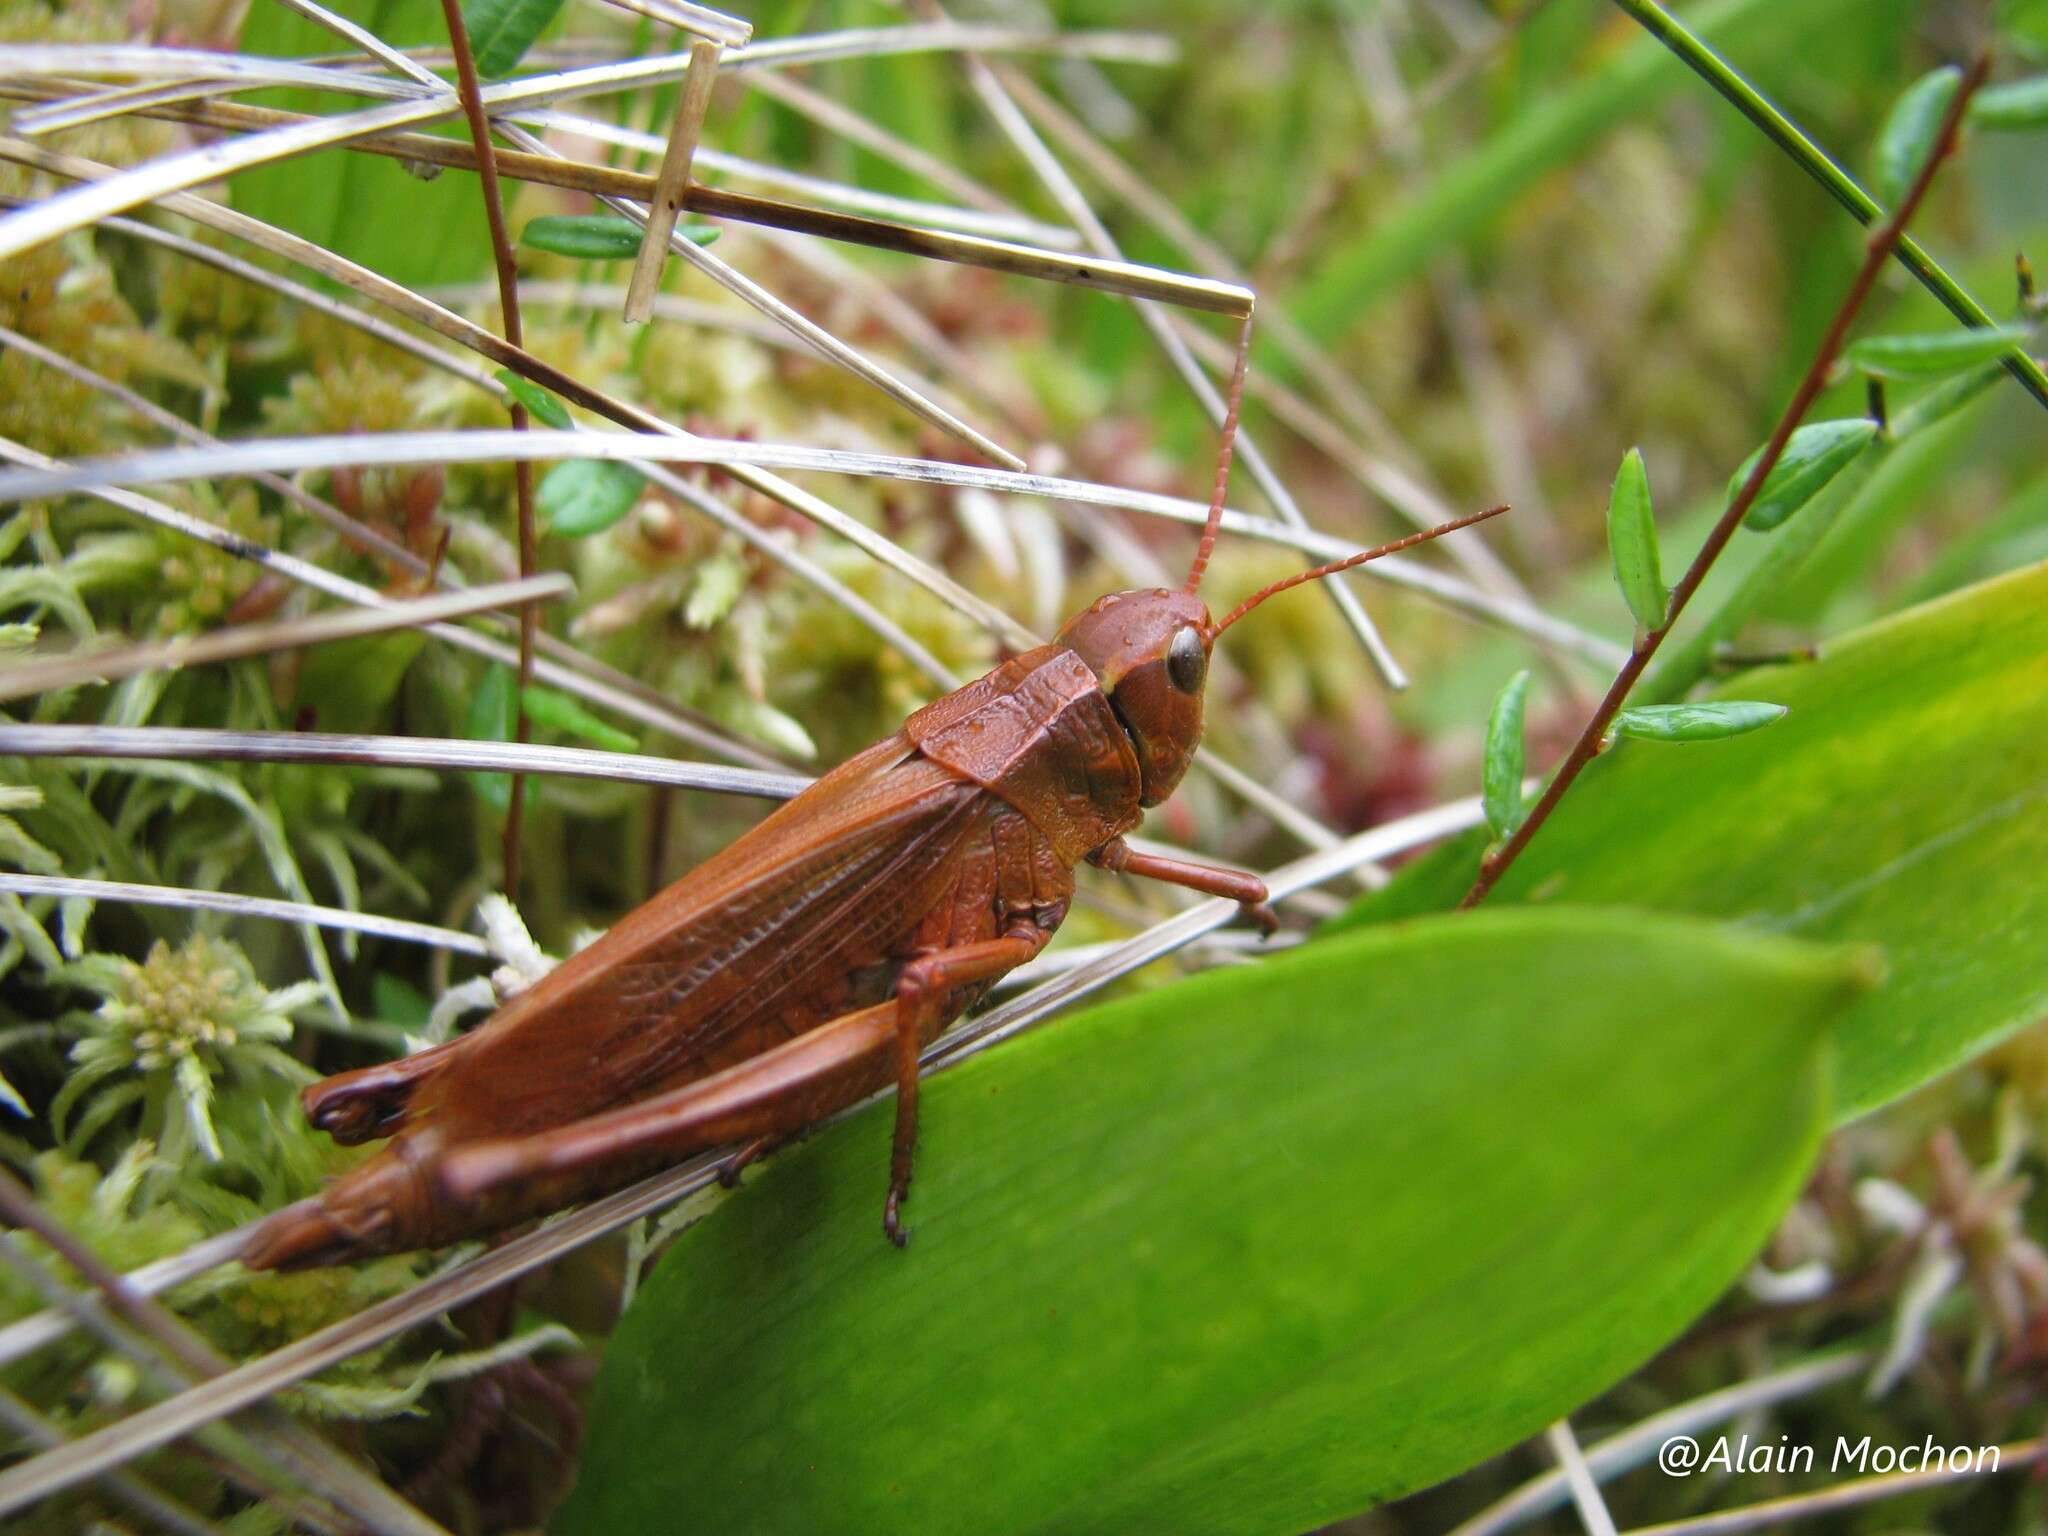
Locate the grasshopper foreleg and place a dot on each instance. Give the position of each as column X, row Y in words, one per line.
column 1248, row 891
column 920, row 991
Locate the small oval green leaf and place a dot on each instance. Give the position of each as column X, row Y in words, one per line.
column 1632, row 539
column 500, row 31
column 591, row 236
column 598, row 236
column 1503, row 768
column 586, row 496
column 562, row 713
column 1697, row 722
column 2016, row 105
column 1907, row 137
column 1815, row 454
column 1931, row 353
column 547, row 410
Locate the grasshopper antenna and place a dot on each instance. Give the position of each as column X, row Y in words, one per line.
column 1319, row 572
column 1223, row 452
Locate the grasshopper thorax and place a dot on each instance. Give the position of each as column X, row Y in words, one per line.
column 1150, row 651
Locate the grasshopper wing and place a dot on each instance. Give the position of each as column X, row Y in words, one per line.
column 792, row 924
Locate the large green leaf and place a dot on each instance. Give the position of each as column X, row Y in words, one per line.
column 1903, row 801
column 1241, row 1255
column 369, row 209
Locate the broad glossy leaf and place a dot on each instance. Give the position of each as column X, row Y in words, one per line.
column 1931, row 353
column 1243, row 1255
column 1907, row 137
column 1813, row 456
column 1632, row 541
column 1903, row 801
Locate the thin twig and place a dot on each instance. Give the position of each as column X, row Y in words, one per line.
column 1131, row 279
column 148, row 743
column 471, row 91
column 657, row 442
column 125, row 1488
column 598, row 684
column 1878, row 250
column 238, row 640
column 699, row 19
column 236, row 905
column 626, row 702
column 672, row 181
column 1593, row 1514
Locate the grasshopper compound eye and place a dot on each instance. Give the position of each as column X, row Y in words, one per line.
column 1187, row 661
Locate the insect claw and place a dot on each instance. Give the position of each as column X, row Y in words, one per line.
column 730, row 1170
column 892, row 1225
column 1263, row 918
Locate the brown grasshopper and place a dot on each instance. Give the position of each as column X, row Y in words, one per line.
column 805, row 966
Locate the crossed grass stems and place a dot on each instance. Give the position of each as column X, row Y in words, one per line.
column 338, row 1493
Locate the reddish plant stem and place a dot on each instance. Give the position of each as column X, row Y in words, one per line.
column 1877, row 251
column 471, row 92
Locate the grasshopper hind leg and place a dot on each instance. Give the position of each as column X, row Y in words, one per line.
column 370, row 1102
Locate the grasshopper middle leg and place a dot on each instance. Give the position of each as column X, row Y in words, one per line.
column 920, row 992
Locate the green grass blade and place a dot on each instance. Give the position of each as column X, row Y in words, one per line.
column 1462, row 198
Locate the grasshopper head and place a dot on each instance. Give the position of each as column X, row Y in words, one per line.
column 1151, row 651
